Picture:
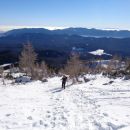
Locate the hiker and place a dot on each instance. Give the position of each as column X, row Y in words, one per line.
column 64, row 79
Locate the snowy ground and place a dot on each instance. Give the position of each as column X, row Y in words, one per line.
column 96, row 105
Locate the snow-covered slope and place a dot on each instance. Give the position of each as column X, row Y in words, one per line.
column 100, row 104
column 99, row 52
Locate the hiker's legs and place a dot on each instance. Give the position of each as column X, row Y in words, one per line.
column 62, row 84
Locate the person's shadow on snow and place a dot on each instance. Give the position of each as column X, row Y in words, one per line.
column 55, row 90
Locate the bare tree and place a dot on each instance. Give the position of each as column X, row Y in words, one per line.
column 127, row 65
column 2, row 74
column 40, row 71
column 74, row 67
column 116, row 62
column 44, row 69
column 99, row 67
column 27, row 59
column 114, row 65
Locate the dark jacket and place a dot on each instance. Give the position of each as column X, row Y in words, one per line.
column 64, row 79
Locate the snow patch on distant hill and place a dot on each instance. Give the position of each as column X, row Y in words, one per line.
column 99, row 52
column 4, row 65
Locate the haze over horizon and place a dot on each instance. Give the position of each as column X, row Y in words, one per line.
column 60, row 14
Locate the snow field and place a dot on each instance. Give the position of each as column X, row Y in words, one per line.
column 96, row 105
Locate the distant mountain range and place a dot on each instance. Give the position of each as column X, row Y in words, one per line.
column 55, row 45
column 1, row 33
column 74, row 31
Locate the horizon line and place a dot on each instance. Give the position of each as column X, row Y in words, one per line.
column 4, row 28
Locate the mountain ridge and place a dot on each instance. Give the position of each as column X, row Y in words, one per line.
column 59, row 43
column 73, row 31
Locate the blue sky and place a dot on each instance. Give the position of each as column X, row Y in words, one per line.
column 65, row 13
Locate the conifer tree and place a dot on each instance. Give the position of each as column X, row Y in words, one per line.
column 27, row 59
column 74, row 67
